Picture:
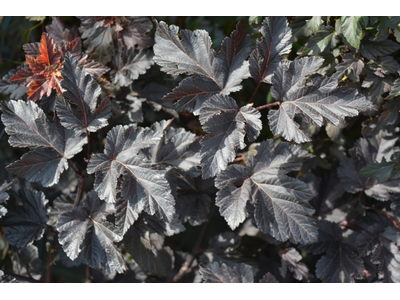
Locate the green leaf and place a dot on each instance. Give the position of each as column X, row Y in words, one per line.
column 314, row 23
column 352, row 30
column 397, row 33
column 383, row 27
column 395, row 91
column 255, row 20
column 326, row 38
column 381, row 170
column 34, row 18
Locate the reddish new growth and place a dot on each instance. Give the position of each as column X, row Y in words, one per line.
column 43, row 72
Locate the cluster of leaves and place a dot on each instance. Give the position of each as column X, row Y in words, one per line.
column 144, row 131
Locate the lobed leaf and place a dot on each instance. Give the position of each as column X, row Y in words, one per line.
column 86, row 229
column 26, row 218
column 319, row 100
column 51, row 144
column 192, row 54
column 280, row 202
column 367, row 151
column 271, row 49
column 82, row 93
column 221, row 273
column 144, row 188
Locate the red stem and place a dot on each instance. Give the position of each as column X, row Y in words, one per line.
column 82, row 182
column 355, row 205
column 74, row 169
column 267, row 105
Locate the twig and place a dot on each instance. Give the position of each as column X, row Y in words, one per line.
column 238, row 159
column 82, row 182
column 255, row 91
column 88, row 275
column 186, row 266
column 267, row 105
column 49, row 262
column 3, row 257
column 74, row 169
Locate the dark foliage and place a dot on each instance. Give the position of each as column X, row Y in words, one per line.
column 134, row 150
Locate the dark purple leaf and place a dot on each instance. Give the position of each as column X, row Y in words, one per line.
column 367, row 151
column 226, row 128
column 51, row 144
column 86, row 229
column 221, row 273
column 192, row 54
column 82, row 92
column 144, row 188
column 271, row 49
column 26, row 219
column 129, row 64
column 319, row 100
column 281, row 202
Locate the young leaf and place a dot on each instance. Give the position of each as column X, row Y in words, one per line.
column 281, row 202
column 192, row 54
column 271, row 49
column 82, row 92
column 26, row 219
column 51, row 144
column 43, row 73
column 86, row 229
column 144, row 188
column 221, row 273
column 316, row 101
